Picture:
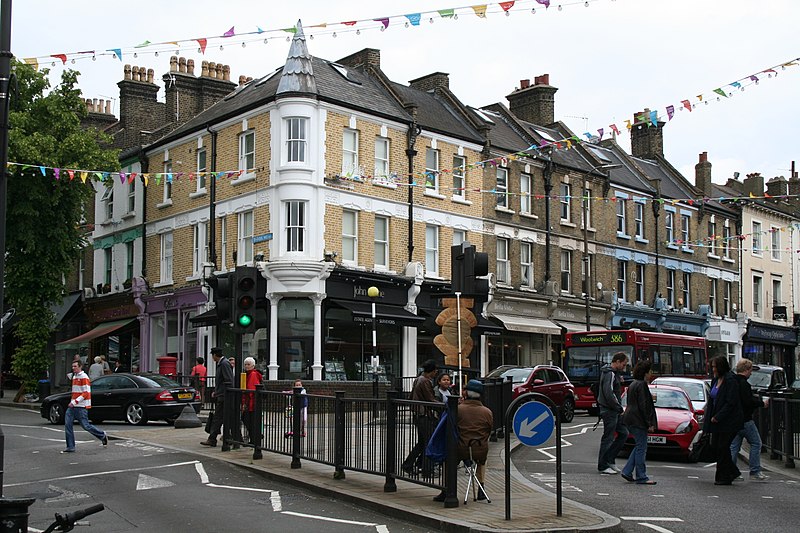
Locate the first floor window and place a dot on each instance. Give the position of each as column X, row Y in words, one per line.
column 200, row 248
column 223, row 243
column 757, row 299
column 432, row 170
column 129, row 260
column 247, row 151
column 566, row 270
column 459, row 182
column 712, row 295
column 687, row 289
column 132, row 196
column 167, row 181
column 349, row 152
column 503, row 267
column 201, row 169
column 526, row 264
column 244, row 251
column 295, row 226
column 109, row 265
column 381, row 157
column 350, row 236
column 671, row 288
column 459, row 236
column 166, row 257
column 432, row 250
column 502, row 187
column 296, row 138
column 622, row 280
column 622, row 223
column 639, row 282
column 382, row 242
column 566, row 202
column 726, row 298
column 525, row 194
column 777, row 297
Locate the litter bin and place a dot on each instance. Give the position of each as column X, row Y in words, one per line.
column 44, row 388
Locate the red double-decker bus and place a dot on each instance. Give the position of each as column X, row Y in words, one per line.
column 672, row 355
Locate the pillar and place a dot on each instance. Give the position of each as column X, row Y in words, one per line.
column 272, row 367
column 318, row 335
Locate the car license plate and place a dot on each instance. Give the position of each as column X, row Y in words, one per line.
column 185, row 396
column 651, row 439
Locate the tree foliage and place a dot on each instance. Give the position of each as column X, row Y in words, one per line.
column 45, row 224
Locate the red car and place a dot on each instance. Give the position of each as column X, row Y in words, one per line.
column 678, row 427
column 544, row 379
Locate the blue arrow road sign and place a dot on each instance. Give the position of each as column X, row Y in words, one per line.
column 534, row 423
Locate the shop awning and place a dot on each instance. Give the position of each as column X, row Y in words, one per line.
column 487, row 327
column 209, row 318
column 572, row 327
column 98, row 331
column 61, row 310
column 384, row 313
column 528, row 324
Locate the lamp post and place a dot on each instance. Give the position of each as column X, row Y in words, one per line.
column 585, row 211
column 373, row 293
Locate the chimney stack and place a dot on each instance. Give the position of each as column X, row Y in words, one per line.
column 778, row 186
column 536, row 103
column 753, row 184
column 647, row 141
column 702, row 175
column 431, row 82
column 139, row 111
column 368, row 57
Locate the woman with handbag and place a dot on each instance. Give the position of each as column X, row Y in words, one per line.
column 640, row 417
column 723, row 419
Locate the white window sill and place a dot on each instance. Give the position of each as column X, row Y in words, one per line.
column 568, row 224
column 713, row 256
column 197, row 194
column 527, row 289
column 672, row 247
column 107, row 222
column 776, row 259
column 687, row 250
column 623, row 236
column 460, row 200
column 641, row 240
column 529, row 215
column 163, row 284
column 758, row 254
column 352, row 264
column 728, row 260
column 502, row 209
column 129, row 214
column 384, row 184
column 504, row 285
column 434, row 194
column 434, row 275
column 194, row 277
column 166, row 203
column 244, row 178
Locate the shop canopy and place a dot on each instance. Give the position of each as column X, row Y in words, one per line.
column 528, row 324
column 384, row 313
column 98, row 331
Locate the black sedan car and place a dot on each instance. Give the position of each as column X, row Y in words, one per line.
column 134, row 398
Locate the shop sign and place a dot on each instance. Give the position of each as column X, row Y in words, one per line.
column 773, row 334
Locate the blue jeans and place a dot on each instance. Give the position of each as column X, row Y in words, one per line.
column 610, row 446
column 749, row 432
column 638, row 456
column 82, row 416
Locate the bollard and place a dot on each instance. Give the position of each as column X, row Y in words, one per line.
column 338, row 435
column 297, row 417
column 389, row 484
column 14, row 514
column 773, row 428
column 788, row 435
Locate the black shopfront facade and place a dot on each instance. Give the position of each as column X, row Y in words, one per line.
column 768, row 344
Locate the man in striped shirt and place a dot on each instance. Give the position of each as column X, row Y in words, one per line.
column 77, row 409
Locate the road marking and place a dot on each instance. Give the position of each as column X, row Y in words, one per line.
column 651, row 518
column 709, row 465
column 146, row 482
column 337, row 520
column 65, row 495
column 275, row 498
column 603, row 494
column 655, row 527
column 693, row 477
column 107, row 473
column 202, row 471
column 274, row 495
column 59, row 429
column 768, row 497
column 657, row 495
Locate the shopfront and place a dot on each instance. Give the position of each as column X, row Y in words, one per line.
column 347, row 328
column 724, row 338
column 527, row 336
column 767, row 344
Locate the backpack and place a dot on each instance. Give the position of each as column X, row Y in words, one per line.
column 594, row 388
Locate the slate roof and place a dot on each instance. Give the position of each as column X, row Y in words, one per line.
column 298, row 72
column 433, row 114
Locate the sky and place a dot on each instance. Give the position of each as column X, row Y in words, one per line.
column 608, row 58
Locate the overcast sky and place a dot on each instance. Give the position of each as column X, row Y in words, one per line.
column 609, row 60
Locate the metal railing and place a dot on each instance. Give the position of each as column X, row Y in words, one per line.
column 368, row 435
column 205, row 391
column 779, row 426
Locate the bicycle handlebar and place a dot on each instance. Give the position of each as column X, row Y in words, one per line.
column 83, row 513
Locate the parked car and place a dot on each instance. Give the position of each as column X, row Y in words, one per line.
column 678, row 428
column 134, row 398
column 697, row 390
column 544, row 379
column 767, row 378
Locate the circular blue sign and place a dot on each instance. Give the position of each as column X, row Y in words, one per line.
column 534, row 423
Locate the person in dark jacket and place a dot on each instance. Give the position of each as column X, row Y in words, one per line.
column 609, row 399
column 640, row 418
column 750, row 403
column 424, row 421
column 723, row 418
column 223, row 381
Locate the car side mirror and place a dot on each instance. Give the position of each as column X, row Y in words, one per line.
column 538, row 382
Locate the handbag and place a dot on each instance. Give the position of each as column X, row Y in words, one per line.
column 702, row 451
column 209, row 422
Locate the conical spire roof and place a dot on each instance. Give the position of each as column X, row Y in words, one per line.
column 298, row 74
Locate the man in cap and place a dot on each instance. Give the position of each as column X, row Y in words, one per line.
column 224, row 380
column 424, row 420
column 475, row 424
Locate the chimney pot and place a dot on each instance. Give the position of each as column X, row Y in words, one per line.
column 150, row 75
column 182, row 65
column 127, row 72
column 173, row 64
column 524, row 84
column 544, row 79
column 108, row 107
column 226, row 72
column 94, row 105
column 703, row 157
column 241, row 80
column 190, row 66
column 204, row 69
column 212, row 70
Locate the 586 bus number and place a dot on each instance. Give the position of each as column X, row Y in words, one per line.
column 617, row 337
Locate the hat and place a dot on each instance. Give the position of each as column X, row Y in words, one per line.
column 429, row 366
column 475, row 386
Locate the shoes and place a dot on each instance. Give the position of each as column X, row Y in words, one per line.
column 481, row 495
column 209, row 443
column 616, row 469
column 67, row 451
column 440, row 497
column 758, row 477
column 648, row 482
column 609, row 471
column 626, row 477
column 740, row 478
column 104, row 440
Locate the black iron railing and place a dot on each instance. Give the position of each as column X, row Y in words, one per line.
column 779, row 426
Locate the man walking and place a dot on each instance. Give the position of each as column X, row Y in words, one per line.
column 750, row 432
column 609, row 399
column 224, row 379
column 424, row 420
column 80, row 402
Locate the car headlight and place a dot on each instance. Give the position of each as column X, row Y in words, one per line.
column 684, row 427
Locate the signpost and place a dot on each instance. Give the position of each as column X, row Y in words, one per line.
column 535, row 417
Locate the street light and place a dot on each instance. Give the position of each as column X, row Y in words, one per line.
column 585, row 211
column 373, row 292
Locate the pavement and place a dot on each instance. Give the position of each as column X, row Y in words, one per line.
column 533, row 509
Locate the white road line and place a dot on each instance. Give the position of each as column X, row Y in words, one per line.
column 651, row 518
column 329, row 519
column 275, row 498
column 58, row 429
column 655, row 527
column 768, row 497
column 80, row 476
column 238, row 488
column 202, row 472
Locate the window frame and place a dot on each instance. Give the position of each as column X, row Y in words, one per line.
column 223, row 243
column 432, row 250
column 296, row 225
column 166, row 255
column 199, row 247
column 431, row 171
column 350, row 153
column 777, row 282
column 382, row 242
column 671, row 287
column 755, row 238
column 462, row 233
column 501, row 187
column 525, row 194
column 622, row 216
column 244, row 242
column 622, row 280
column 757, row 297
column 565, row 201
column 686, row 292
column 638, row 220
column 167, row 182
column 712, row 295
column 132, row 197
column 640, row 274
column 382, row 173
column 775, row 243
column 566, row 271
column 247, row 159
column 459, row 177
column 296, row 129
column 726, row 298
column 686, row 225
column 503, row 260
column 350, row 238
column 201, row 169
column 526, row 265
column 108, row 265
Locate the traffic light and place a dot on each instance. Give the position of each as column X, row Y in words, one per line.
column 222, row 296
column 245, row 299
column 467, row 266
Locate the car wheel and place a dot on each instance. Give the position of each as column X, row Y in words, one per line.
column 568, row 410
column 56, row 414
column 134, row 415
